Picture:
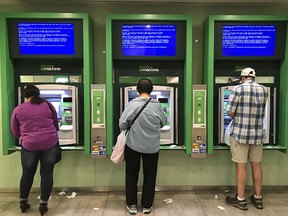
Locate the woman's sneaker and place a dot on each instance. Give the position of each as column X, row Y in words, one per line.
column 257, row 202
column 147, row 210
column 233, row 201
column 132, row 209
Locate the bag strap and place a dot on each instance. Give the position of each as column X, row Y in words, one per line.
column 143, row 107
column 50, row 107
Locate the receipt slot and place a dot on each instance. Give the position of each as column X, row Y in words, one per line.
column 199, row 145
column 98, row 120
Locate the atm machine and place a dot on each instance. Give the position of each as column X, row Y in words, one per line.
column 64, row 99
column 165, row 96
column 225, row 119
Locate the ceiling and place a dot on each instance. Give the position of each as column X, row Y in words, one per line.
column 10, row 2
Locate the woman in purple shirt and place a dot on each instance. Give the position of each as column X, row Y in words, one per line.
column 35, row 123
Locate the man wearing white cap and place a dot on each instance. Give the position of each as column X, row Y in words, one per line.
column 246, row 105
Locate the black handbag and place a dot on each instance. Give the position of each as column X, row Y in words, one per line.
column 59, row 155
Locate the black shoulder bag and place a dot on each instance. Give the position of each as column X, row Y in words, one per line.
column 59, row 155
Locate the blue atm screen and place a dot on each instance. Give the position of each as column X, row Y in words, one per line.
column 148, row 40
column 248, row 40
column 46, row 38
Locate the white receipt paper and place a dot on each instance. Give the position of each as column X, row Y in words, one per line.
column 220, row 207
column 169, row 200
column 72, row 195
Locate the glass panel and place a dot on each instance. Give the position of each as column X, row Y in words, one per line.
column 26, row 79
column 266, row 79
column 172, row 79
column 158, row 80
column 233, row 80
column 75, row 79
column 50, row 79
column 227, row 79
column 61, row 79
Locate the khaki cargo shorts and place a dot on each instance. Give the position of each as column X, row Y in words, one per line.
column 242, row 152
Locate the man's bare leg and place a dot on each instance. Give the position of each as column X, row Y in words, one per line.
column 257, row 176
column 241, row 179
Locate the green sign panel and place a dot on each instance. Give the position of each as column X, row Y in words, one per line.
column 199, row 108
column 98, row 108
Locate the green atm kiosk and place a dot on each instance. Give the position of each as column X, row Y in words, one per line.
column 158, row 47
column 54, row 52
column 233, row 43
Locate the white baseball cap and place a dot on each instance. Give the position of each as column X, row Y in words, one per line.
column 248, row 72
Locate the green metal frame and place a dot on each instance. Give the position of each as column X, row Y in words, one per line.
column 187, row 72
column 7, row 75
column 209, row 77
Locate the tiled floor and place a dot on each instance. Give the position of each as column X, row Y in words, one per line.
column 184, row 203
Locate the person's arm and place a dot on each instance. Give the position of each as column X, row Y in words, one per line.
column 162, row 117
column 231, row 114
column 15, row 126
column 125, row 117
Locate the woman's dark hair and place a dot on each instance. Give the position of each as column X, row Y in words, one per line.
column 33, row 92
column 144, row 86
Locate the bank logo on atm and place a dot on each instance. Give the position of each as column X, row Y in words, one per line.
column 148, row 68
column 44, row 67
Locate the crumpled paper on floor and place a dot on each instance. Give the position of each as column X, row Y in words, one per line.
column 73, row 195
column 62, row 193
column 167, row 201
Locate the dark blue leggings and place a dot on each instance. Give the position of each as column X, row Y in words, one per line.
column 29, row 161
